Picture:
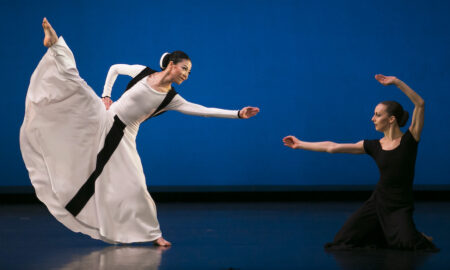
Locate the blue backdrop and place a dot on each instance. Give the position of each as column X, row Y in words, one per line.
column 308, row 65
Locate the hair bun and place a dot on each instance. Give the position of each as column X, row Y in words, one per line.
column 163, row 61
column 393, row 108
column 403, row 119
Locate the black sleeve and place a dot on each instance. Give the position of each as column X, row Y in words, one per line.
column 370, row 146
column 409, row 138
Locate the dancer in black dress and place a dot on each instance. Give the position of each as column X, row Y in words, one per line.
column 386, row 219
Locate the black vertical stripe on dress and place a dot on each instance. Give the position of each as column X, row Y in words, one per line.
column 170, row 95
column 144, row 73
column 112, row 140
column 83, row 195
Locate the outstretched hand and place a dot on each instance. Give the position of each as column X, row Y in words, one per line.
column 248, row 112
column 386, row 80
column 107, row 101
column 291, row 141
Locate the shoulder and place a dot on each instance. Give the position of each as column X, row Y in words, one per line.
column 140, row 71
column 176, row 100
column 371, row 145
column 408, row 137
column 144, row 68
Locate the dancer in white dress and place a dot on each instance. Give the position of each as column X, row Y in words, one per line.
column 82, row 159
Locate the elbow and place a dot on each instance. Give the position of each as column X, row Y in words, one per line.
column 332, row 148
column 332, row 151
column 421, row 103
column 114, row 68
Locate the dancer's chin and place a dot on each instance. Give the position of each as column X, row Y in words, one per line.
column 379, row 129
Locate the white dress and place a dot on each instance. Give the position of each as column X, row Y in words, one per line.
column 64, row 130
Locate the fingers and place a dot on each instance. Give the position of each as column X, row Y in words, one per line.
column 385, row 80
column 248, row 112
column 254, row 111
column 251, row 113
column 290, row 145
column 381, row 78
column 289, row 141
column 290, row 137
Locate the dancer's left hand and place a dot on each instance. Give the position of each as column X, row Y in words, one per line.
column 248, row 112
column 386, row 80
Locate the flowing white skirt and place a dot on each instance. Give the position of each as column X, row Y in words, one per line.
column 63, row 131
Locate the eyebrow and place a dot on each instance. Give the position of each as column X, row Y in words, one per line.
column 187, row 68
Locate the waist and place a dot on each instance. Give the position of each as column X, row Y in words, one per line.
column 131, row 125
column 395, row 194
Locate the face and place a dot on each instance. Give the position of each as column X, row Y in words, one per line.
column 180, row 71
column 381, row 119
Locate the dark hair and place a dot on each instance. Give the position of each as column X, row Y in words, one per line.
column 394, row 108
column 175, row 57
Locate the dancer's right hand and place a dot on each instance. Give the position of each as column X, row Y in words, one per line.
column 107, row 101
column 291, row 141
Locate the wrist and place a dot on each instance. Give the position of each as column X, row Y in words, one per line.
column 239, row 114
column 397, row 81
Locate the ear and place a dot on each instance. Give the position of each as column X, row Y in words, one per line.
column 170, row 66
column 391, row 119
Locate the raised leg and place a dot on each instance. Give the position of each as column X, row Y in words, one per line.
column 50, row 34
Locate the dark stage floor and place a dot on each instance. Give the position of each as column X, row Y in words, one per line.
column 217, row 236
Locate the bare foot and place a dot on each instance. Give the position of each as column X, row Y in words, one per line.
column 429, row 238
column 50, row 34
column 161, row 242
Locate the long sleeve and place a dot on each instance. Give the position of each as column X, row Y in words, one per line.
column 181, row 105
column 114, row 71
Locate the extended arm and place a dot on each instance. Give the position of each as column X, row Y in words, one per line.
column 181, row 105
column 419, row 104
column 329, row 147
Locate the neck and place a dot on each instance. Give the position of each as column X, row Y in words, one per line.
column 163, row 81
column 393, row 133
